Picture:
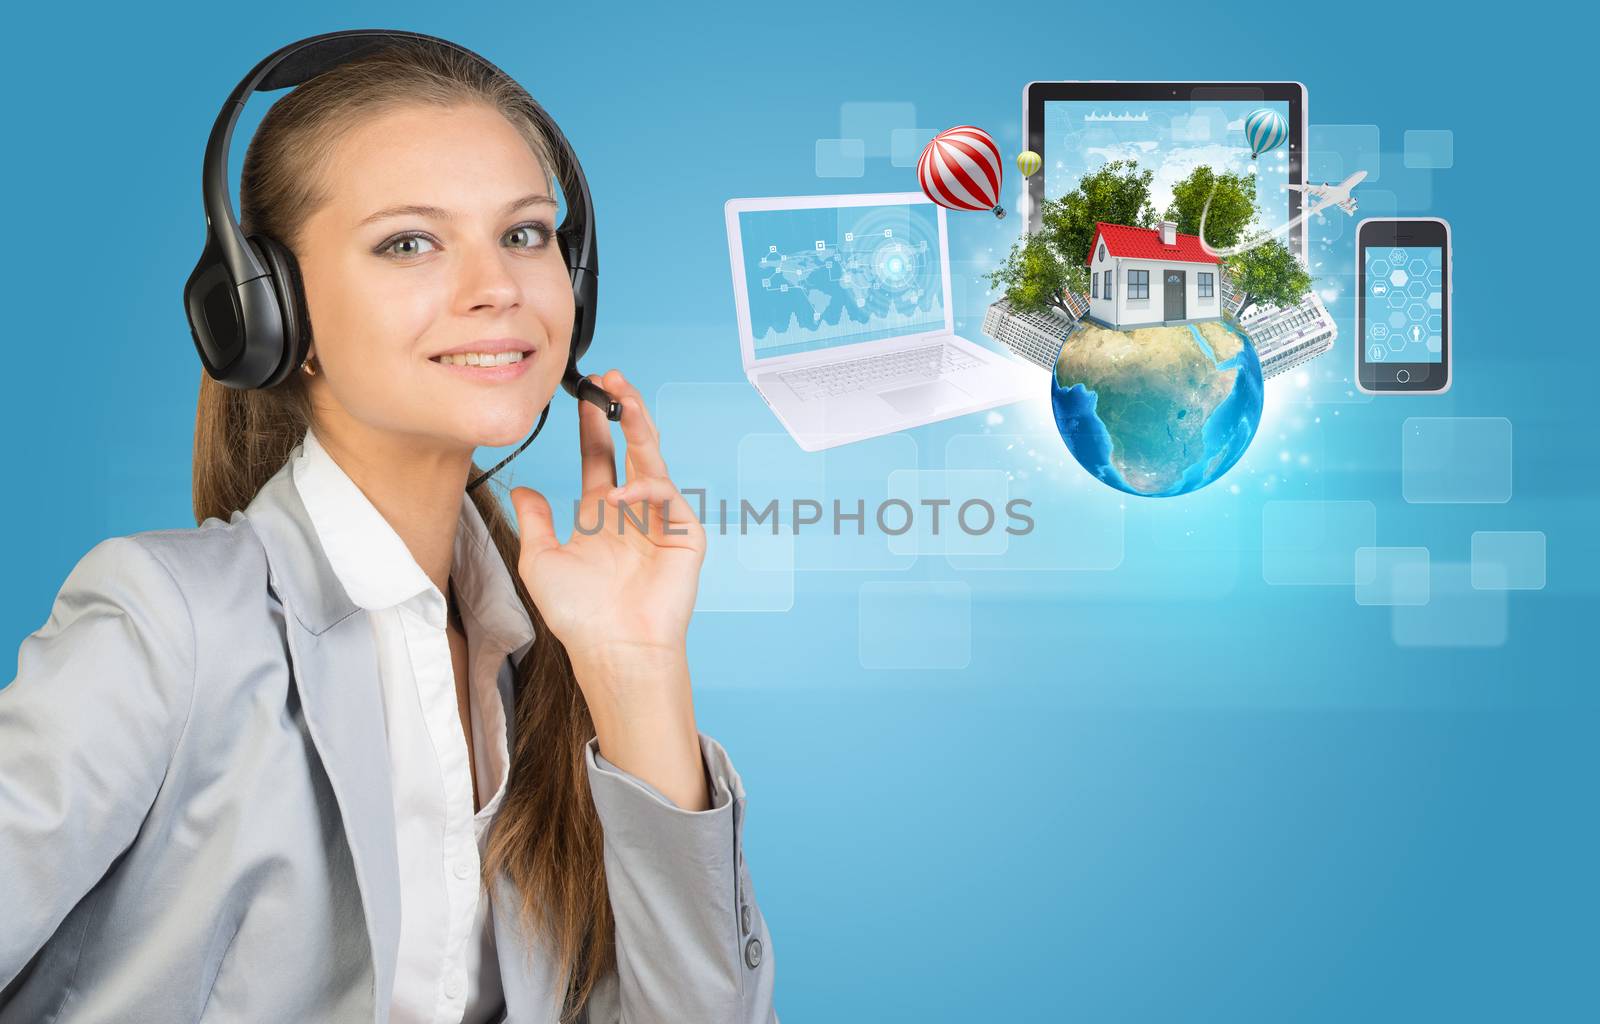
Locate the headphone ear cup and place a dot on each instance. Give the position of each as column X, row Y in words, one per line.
column 569, row 256
column 287, row 285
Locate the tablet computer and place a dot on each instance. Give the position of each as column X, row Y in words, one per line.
column 1168, row 128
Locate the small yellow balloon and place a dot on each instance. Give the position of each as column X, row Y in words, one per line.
column 1028, row 162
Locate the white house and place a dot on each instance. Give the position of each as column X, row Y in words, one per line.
column 1141, row 277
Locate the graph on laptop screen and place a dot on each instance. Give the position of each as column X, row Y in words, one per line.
column 831, row 276
column 1169, row 138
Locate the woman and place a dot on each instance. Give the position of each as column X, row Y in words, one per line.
column 354, row 748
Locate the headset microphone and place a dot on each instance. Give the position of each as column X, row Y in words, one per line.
column 244, row 298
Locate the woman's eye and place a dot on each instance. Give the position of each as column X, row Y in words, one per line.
column 533, row 235
column 389, row 248
column 523, row 236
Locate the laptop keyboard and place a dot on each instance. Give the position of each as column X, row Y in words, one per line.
column 925, row 363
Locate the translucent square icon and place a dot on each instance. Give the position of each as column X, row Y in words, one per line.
column 1433, row 149
column 1508, row 559
column 1455, row 459
column 1456, row 615
column 841, row 158
column 1392, row 576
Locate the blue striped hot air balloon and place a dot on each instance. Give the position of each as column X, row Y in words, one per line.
column 1265, row 130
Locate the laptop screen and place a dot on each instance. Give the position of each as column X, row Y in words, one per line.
column 839, row 275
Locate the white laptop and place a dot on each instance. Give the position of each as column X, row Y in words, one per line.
column 845, row 321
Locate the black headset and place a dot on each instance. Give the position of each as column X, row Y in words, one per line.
column 244, row 299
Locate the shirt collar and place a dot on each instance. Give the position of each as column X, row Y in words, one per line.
column 378, row 571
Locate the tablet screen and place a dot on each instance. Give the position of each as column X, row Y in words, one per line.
column 1169, row 138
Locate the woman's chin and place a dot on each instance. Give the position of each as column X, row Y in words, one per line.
column 500, row 431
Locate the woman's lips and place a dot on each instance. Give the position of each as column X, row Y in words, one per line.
column 503, row 371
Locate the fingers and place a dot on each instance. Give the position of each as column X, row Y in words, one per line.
column 646, row 469
column 643, row 453
column 660, row 495
column 534, row 523
column 618, row 385
column 596, row 451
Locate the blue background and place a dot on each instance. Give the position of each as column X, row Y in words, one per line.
column 1168, row 791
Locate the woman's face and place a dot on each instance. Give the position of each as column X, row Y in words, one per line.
column 389, row 290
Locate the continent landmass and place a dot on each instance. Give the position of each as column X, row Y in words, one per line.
column 1155, row 387
column 1224, row 343
column 1227, row 347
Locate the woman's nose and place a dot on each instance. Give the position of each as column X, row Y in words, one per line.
column 487, row 278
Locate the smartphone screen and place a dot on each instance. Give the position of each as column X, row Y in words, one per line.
column 1403, row 306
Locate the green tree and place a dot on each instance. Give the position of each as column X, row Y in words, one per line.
column 1117, row 193
column 1269, row 275
column 1233, row 204
column 1034, row 276
column 1041, row 264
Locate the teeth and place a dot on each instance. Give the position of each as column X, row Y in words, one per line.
column 481, row 358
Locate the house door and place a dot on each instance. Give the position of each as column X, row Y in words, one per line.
column 1174, row 297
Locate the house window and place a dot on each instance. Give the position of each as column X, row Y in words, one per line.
column 1207, row 285
column 1102, row 252
column 1138, row 284
column 1110, row 283
column 1094, row 286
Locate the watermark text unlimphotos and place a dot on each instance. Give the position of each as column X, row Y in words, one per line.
column 892, row 516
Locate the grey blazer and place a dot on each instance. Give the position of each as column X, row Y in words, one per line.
column 196, row 822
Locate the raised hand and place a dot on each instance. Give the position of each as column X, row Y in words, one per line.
column 620, row 599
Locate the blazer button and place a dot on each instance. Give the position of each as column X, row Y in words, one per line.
column 752, row 953
column 744, row 918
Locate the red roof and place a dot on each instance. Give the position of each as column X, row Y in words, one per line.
column 1145, row 244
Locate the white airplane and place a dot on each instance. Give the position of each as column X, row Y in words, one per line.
column 1318, row 198
column 1323, row 196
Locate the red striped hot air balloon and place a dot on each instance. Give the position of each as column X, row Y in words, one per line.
column 960, row 169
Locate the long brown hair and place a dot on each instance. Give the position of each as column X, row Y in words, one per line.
column 546, row 835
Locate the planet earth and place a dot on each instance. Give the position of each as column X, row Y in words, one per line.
column 1157, row 411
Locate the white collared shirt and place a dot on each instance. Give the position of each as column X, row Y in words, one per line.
column 447, row 972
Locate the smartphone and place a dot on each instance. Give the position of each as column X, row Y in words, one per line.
column 1403, row 305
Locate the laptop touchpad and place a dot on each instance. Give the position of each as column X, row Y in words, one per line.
column 921, row 398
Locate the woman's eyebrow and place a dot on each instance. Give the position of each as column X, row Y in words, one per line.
column 419, row 210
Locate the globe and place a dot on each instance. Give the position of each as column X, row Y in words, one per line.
column 1157, row 411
